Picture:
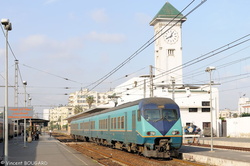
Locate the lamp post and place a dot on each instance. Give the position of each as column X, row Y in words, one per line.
column 30, row 137
column 7, row 26
column 24, row 120
column 173, row 87
column 209, row 70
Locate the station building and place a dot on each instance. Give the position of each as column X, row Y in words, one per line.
column 167, row 80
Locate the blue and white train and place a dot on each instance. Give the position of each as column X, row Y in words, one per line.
column 149, row 126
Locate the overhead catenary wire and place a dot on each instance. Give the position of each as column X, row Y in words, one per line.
column 207, row 55
column 197, row 71
column 67, row 79
column 127, row 60
column 203, row 57
column 144, row 46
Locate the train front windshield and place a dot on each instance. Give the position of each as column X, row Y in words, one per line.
column 160, row 114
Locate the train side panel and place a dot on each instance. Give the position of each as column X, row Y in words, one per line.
column 129, row 128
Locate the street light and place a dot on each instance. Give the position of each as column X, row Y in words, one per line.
column 7, row 26
column 24, row 120
column 209, row 70
column 29, row 104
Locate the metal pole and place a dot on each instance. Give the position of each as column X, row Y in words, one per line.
column 6, row 104
column 144, row 89
column 30, row 137
column 15, row 126
column 24, row 121
column 151, row 82
column 173, row 88
column 211, row 111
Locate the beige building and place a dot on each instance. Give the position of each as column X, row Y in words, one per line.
column 79, row 98
column 226, row 113
column 244, row 105
column 57, row 116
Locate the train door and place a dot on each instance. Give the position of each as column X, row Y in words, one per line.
column 133, row 134
column 108, row 135
column 130, row 126
column 90, row 131
column 126, row 128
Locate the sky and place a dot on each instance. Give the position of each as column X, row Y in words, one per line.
column 63, row 46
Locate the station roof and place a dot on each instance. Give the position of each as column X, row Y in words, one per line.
column 34, row 120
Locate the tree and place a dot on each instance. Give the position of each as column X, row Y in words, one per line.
column 90, row 100
column 235, row 115
column 245, row 114
column 78, row 109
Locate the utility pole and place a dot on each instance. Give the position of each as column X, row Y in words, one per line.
column 16, row 83
column 144, row 89
column 15, row 126
column 151, row 81
column 8, row 27
column 173, row 87
column 209, row 70
column 25, row 104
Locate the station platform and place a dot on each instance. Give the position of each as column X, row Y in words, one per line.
column 45, row 151
column 222, row 157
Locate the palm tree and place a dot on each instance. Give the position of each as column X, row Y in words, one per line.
column 90, row 100
column 78, row 109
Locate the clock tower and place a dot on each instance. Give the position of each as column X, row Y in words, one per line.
column 168, row 47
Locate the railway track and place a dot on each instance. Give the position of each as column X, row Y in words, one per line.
column 113, row 157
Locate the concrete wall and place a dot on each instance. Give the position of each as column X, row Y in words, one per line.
column 238, row 127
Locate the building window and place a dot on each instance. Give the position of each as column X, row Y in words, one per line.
column 205, row 103
column 205, row 125
column 205, row 110
column 170, row 52
column 193, row 109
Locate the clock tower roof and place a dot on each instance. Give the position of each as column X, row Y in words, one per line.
column 167, row 12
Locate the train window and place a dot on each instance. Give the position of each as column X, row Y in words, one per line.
column 81, row 126
column 92, row 124
column 133, row 121
column 86, row 125
column 103, row 124
column 169, row 114
column 122, row 122
column 119, row 123
column 114, row 123
column 100, row 124
column 106, row 124
column 112, row 119
column 139, row 115
column 152, row 114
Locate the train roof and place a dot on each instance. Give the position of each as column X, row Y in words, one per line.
column 85, row 113
column 97, row 111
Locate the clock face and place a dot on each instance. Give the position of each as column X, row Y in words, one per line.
column 171, row 36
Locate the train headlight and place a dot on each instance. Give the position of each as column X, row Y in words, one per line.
column 151, row 133
column 175, row 132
